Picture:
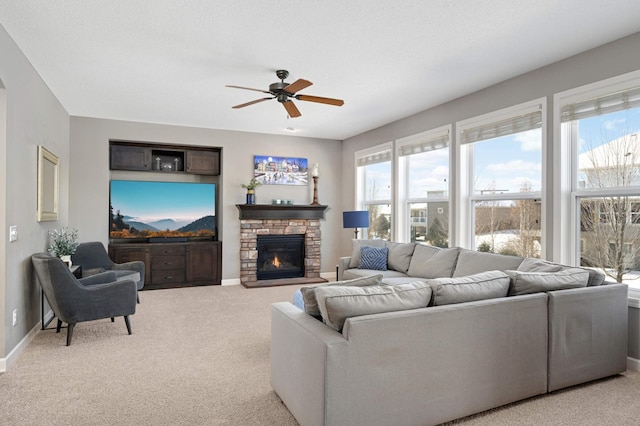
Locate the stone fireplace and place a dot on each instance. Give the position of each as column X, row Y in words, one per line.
column 279, row 220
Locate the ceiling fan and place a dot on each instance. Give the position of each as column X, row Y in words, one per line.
column 285, row 92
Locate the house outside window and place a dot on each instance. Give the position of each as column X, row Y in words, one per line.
column 374, row 189
column 423, row 182
column 502, row 179
column 601, row 125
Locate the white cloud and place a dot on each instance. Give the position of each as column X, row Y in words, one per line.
column 529, row 140
column 613, row 124
column 518, row 166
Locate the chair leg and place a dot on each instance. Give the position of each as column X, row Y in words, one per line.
column 59, row 326
column 112, row 319
column 137, row 298
column 69, row 333
column 126, row 321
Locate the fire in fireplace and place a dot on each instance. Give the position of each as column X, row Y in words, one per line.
column 280, row 256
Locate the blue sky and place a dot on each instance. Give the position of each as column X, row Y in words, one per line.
column 150, row 201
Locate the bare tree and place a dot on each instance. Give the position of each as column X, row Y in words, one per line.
column 610, row 236
column 525, row 215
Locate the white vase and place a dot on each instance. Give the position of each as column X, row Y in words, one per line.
column 66, row 259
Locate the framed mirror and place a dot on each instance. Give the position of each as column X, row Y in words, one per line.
column 48, row 176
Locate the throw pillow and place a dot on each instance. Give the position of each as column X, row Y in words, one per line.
column 339, row 303
column 309, row 293
column 535, row 282
column 432, row 262
column 485, row 285
column 373, row 258
column 399, row 255
column 354, row 262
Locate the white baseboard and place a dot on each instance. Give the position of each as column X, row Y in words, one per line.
column 232, row 281
column 633, row 364
column 329, row 276
column 15, row 352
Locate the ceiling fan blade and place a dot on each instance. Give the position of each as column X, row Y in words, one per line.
column 291, row 108
column 297, row 86
column 251, row 103
column 247, row 88
column 329, row 101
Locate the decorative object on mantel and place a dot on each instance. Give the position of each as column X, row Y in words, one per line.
column 314, row 174
column 251, row 190
column 355, row 219
column 63, row 243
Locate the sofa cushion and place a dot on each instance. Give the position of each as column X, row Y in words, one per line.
column 485, row 285
column 373, row 258
column 432, row 262
column 596, row 276
column 309, row 293
column 533, row 282
column 350, row 274
column 338, row 303
column 472, row 262
column 399, row 255
column 355, row 251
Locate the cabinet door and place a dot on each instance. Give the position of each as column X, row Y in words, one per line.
column 203, row 263
column 125, row 157
column 128, row 254
column 203, row 162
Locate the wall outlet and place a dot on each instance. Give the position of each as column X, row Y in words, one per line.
column 15, row 317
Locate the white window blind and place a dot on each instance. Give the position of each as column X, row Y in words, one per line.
column 601, row 105
column 417, row 144
column 509, row 126
column 374, row 158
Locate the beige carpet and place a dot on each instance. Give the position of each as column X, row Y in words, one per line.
column 200, row 356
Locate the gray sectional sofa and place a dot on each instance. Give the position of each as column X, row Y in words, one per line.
column 438, row 335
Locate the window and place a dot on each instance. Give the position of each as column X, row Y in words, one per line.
column 374, row 183
column 423, row 196
column 501, row 181
column 601, row 125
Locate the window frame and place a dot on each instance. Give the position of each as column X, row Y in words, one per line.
column 464, row 161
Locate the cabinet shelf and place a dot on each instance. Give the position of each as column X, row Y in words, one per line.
column 147, row 157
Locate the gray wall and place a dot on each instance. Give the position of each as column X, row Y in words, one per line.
column 89, row 178
column 33, row 117
column 607, row 61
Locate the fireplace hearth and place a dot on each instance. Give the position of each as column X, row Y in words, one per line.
column 280, row 256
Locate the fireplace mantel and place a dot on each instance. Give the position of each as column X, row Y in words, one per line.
column 280, row 211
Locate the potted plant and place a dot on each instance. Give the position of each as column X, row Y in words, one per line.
column 63, row 243
column 251, row 190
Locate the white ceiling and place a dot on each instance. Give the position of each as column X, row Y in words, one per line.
column 168, row 61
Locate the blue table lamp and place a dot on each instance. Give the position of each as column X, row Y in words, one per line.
column 355, row 219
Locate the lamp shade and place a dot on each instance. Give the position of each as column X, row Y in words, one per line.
column 355, row 219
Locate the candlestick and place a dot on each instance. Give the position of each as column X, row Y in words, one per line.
column 314, row 172
column 315, row 191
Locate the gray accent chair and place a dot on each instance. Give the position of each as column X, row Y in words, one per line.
column 94, row 259
column 76, row 300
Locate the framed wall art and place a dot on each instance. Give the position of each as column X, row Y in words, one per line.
column 48, row 177
column 271, row 170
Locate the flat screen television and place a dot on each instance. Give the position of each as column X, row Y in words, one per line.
column 157, row 211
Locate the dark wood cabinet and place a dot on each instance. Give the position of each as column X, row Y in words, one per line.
column 125, row 157
column 172, row 264
column 203, row 162
column 148, row 157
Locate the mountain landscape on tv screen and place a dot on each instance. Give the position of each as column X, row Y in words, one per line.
column 131, row 227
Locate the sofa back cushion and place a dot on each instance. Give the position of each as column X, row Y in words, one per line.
column 400, row 255
column 309, row 293
column 355, row 250
column 338, row 303
column 472, row 262
column 534, row 282
column 596, row 276
column 484, row 285
column 432, row 262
